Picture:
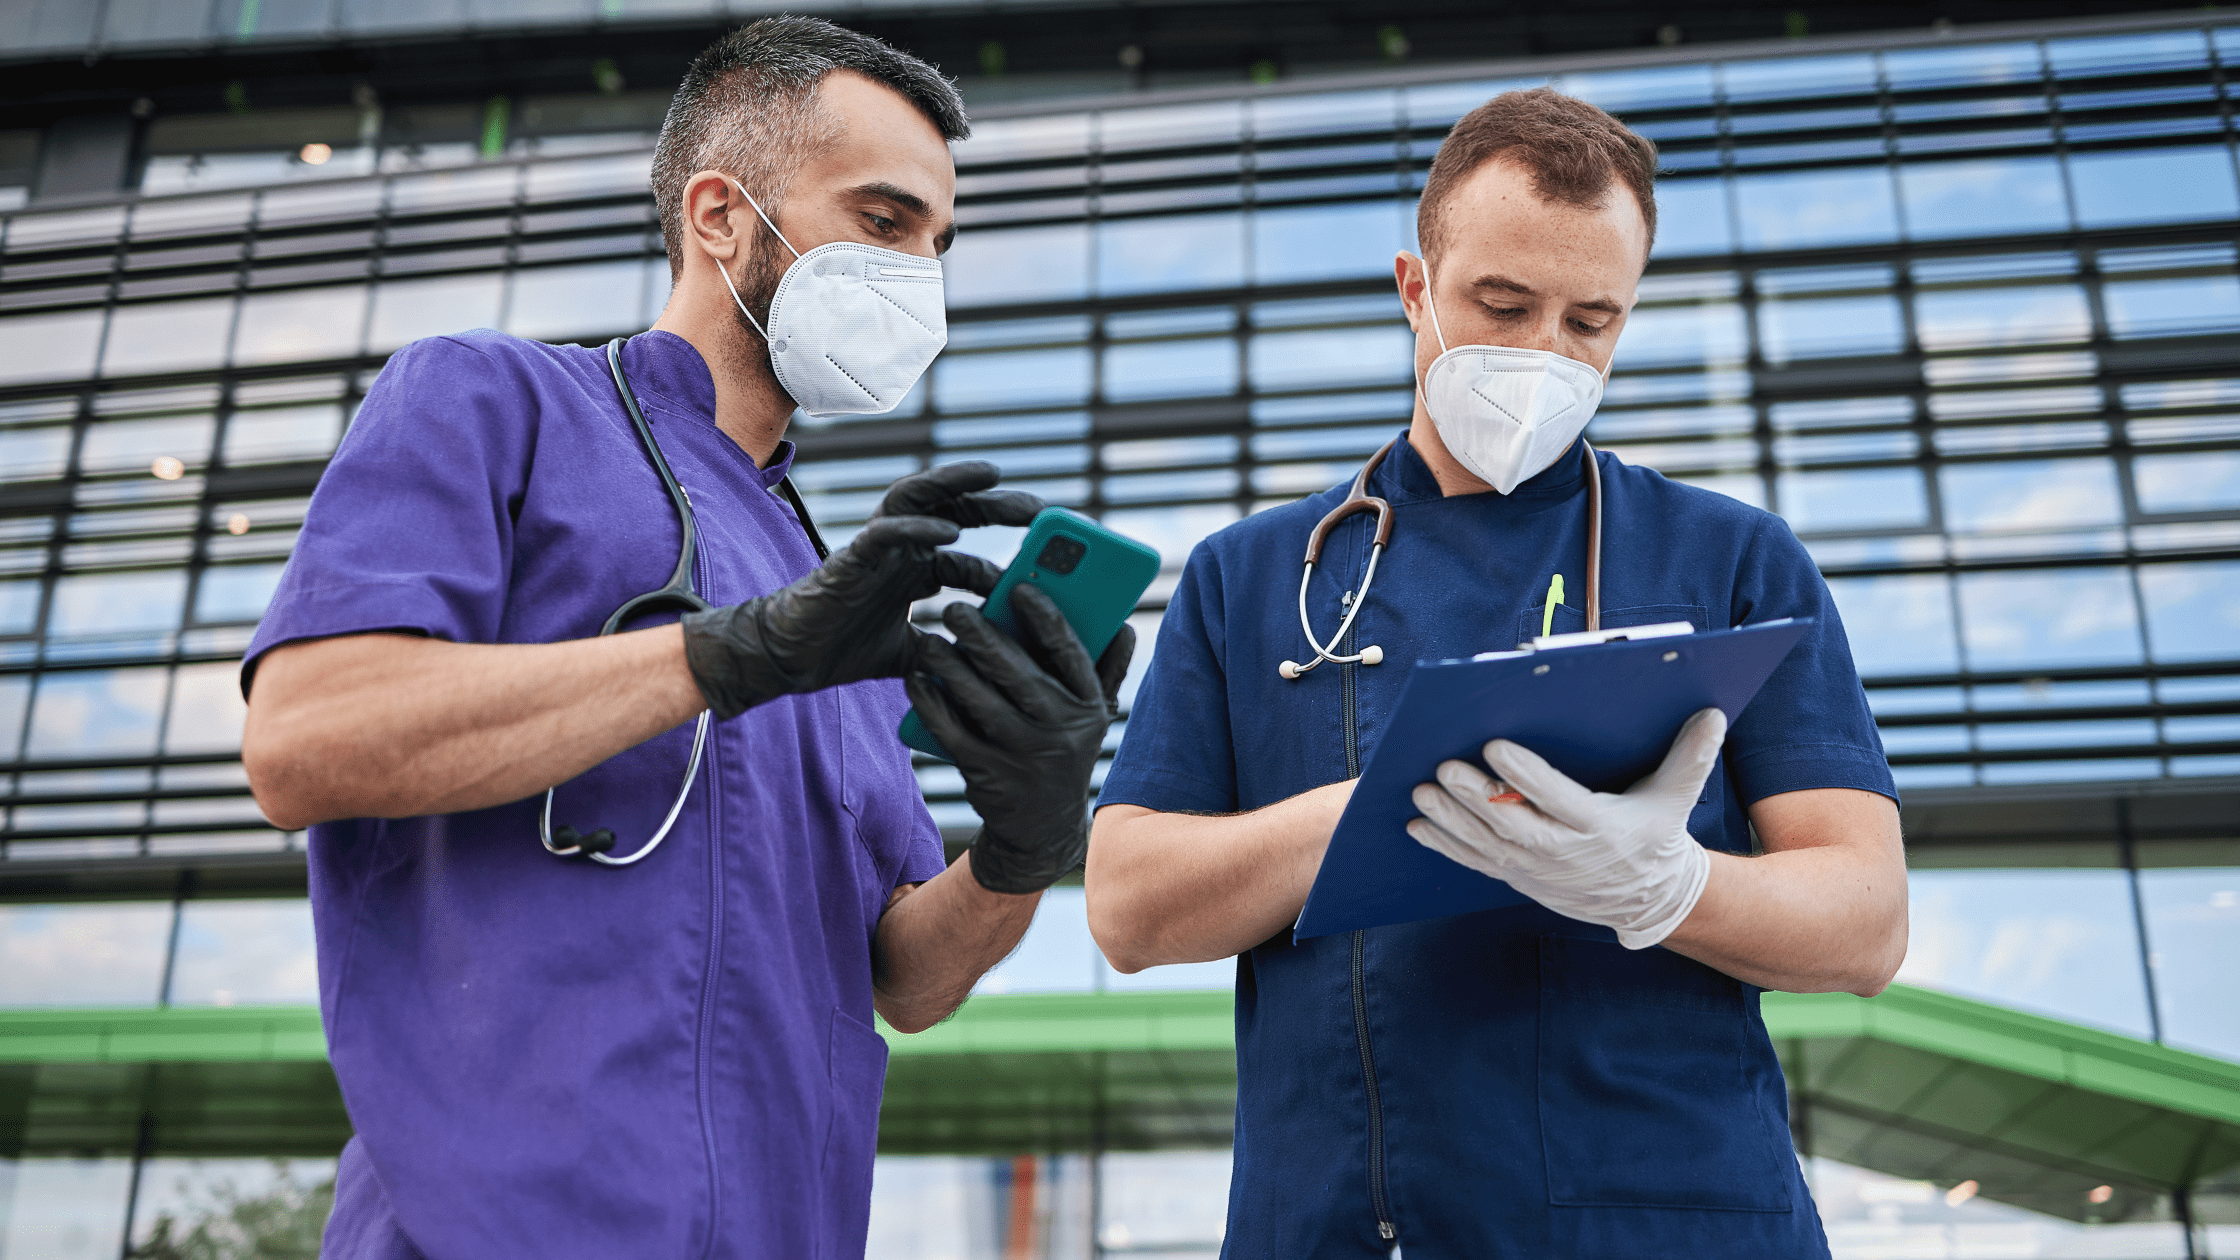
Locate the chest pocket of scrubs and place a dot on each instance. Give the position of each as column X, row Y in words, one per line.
column 1648, row 1097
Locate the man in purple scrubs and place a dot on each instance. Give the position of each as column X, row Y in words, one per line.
column 548, row 1057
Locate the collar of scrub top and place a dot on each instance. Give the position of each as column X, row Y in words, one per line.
column 1358, row 499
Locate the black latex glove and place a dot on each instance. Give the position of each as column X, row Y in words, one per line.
column 1024, row 721
column 850, row 618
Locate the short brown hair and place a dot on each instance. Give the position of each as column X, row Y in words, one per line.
column 1572, row 148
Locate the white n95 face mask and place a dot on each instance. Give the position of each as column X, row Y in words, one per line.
column 852, row 326
column 1506, row 414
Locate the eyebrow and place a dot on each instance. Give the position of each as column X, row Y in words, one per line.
column 1506, row 285
column 912, row 202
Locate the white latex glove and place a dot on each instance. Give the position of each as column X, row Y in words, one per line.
column 1624, row 861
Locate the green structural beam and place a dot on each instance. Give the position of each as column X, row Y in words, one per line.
column 1913, row 1083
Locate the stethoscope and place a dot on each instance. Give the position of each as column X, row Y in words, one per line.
column 1358, row 499
column 678, row 594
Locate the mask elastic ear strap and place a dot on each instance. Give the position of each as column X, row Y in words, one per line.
column 1432, row 304
column 725, row 272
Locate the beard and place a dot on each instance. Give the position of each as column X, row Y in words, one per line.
column 756, row 288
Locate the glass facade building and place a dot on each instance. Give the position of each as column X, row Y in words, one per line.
column 1966, row 312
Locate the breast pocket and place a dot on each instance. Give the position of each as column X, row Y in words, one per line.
column 1646, row 1097
column 1569, row 620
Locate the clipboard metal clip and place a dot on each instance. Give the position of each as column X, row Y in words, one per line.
column 1589, row 638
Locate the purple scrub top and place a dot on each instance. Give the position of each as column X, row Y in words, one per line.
column 545, row 1057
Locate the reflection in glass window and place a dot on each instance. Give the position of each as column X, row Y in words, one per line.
column 1281, row 362
column 1799, row 210
column 1857, row 498
column 54, row 347
column 302, row 324
column 19, row 606
column 407, row 310
column 15, row 697
column 98, row 712
column 2203, row 481
column 2193, row 610
column 1983, row 198
column 2058, row 942
column 1328, row 242
column 270, row 434
column 235, row 592
column 2030, row 494
column 1021, row 378
column 1197, row 368
column 167, row 336
column 1200, row 251
column 29, row 454
column 1037, row 264
column 246, row 953
column 1707, row 332
column 2173, row 308
column 2153, row 186
column 88, row 954
column 1898, row 625
column 585, row 300
column 135, row 445
column 1057, row 955
column 64, row 1208
column 2048, row 619
column 206, row 709
column 1692, row 218
column 1957, row 318
column 2193, row 923
column 117, row 603
column 1816, row 327
column 190, row 1207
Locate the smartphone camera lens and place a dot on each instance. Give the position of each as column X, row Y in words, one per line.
column 1061, row 554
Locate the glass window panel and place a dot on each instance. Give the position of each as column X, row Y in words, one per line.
column 658, row 283
column 2204, row 481
column 236, row 592
column 168, row 337
column 1617, row 90
column 281, row 1203
column 1353, row 356
column 1440, row 104
column 1692, row 218
column 1170, row 369
column 1201, row 251
column 2153, row 186
column 584, row 301
column 2188, row 307
column 1706, row 332
column 1813, row 328
column 15, row 696
column 1164, row 1201
column 116, row 603
column 19, row 606
column 1057, row 955
column 1969, row 64
column 64, row 1208
column 1957, row 318
column 28, row 454
column 83, row 955
column 407, row 310
column 303, row 324
column 2059, row 942
column 51, row 347
column 2193, row 924
column 1983, row 198
column 1022, row 378
column 283, row 433
column 246, row 953
column 2193, row 610
column 1327, row 242
column 1898, row 625
column 2102, row 54
column 2032, row 494
column 1162, row 125
column 1802, row 209
column 2048, row 619
column 1797, row 76
column 1858, row 498
column 1037, row 264
column 206, row 709
column 101, row 712
column 118, row 445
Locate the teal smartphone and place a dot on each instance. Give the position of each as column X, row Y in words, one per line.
column 1093, row 575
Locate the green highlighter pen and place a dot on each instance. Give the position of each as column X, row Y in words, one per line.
column 1555, row 596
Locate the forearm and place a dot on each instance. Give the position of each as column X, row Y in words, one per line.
column 393, row 726
column 1815, row 918
column 935, row 942
column 1173, row 888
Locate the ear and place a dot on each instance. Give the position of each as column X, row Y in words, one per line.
column 1410, row 274
column 717, row 221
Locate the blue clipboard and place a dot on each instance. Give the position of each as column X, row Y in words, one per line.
column 1604, row 714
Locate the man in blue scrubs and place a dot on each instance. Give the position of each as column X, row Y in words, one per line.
column 547, row 1057
column 1586, row 1077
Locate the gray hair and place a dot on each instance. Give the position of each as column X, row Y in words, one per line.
column 748, row 106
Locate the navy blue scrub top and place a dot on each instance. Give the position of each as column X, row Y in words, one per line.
column 1511, row 1082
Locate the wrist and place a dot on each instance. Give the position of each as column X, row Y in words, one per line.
column 723, row 650
column 1681, row 888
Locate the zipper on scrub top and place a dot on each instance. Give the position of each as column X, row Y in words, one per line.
column 1385, row 1229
